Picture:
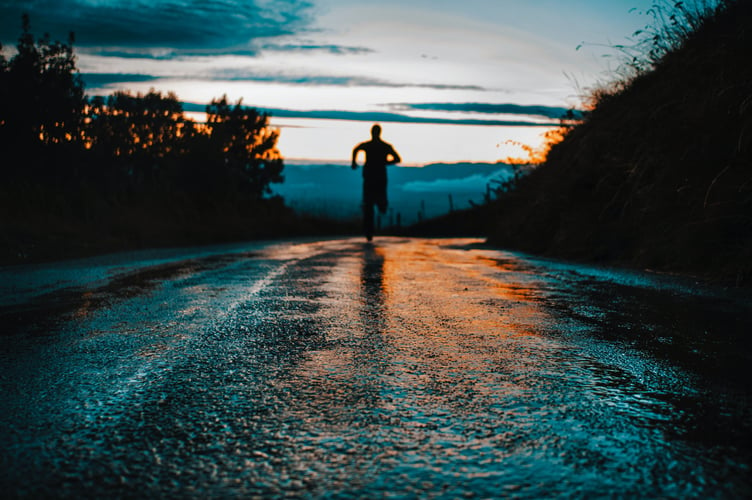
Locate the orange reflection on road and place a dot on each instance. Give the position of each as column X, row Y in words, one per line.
column 456, row 327
column 419, row 328
column 445, row 287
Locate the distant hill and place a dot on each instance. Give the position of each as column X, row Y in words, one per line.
column 659, row 174
column 414, row 192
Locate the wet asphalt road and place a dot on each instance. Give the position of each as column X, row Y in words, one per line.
column 406, row 368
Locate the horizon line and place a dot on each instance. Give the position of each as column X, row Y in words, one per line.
column 307, row 162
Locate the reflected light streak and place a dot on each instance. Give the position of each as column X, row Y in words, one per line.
column 449, row 328
column 422, row 333
column 432, row 363
column 86, row 306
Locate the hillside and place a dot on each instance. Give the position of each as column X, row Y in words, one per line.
column 659, row 174
column 335, row 191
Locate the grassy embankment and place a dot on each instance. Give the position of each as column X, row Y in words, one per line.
column 659, row 173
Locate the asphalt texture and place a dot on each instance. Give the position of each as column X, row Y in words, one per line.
column 402, row 368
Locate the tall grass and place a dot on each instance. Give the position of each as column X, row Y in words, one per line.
column 671, row 24
column 657, row 174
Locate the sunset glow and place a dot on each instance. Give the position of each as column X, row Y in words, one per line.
column 450, row 82
column 418, row 144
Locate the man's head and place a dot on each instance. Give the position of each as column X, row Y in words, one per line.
column 376, row 131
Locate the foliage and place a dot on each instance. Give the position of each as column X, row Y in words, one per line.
column 42, row 95
column 242, row 139
column 139, row 141
column 533, row 157
column 135, row 139
column 97, row 160
column 657, row 174
column 671, row 24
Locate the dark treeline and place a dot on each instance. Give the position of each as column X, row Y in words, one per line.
column 124, row 170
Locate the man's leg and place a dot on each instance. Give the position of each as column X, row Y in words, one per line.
column 368, row 219
column 381, row 203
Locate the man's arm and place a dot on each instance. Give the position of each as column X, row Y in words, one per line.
column 395, row 157
column 355, row 150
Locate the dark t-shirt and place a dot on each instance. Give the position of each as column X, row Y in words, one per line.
column 377, row 154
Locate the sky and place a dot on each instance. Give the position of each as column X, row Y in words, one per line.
column 449, row 81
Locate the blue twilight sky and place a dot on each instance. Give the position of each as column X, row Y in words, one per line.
column 449, row 81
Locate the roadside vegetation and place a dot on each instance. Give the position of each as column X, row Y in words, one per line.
column 658, row 174
column 86, row 174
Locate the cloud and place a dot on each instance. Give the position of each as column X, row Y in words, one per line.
column 376, row 116
column 329, row 48
column 165, row 54
column 486, row 108
column 251, row 75
column 97, row 80
column 180, row 24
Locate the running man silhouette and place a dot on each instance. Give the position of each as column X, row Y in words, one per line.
column 379, row 154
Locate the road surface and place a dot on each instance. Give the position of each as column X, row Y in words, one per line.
column 406, row 368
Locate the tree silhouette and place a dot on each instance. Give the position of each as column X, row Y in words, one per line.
column 43, row 96
column 125, row 140
column 129, row 168
column 141, row 134
column 241, row 142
